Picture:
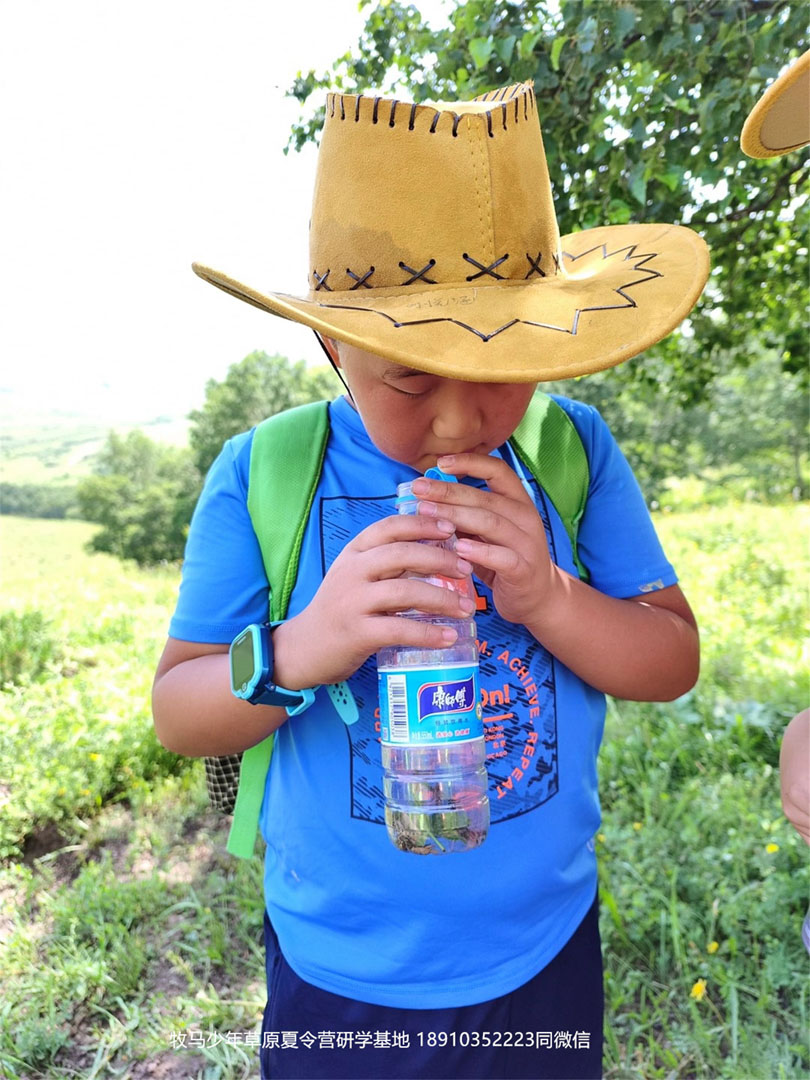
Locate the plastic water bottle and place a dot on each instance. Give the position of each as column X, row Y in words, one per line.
column 806, row 931
column 433, row 750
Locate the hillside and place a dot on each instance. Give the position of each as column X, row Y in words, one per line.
column 55, row 447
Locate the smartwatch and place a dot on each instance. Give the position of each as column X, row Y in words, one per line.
column 251, row 657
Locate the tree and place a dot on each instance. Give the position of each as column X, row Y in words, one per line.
column 142, row 494
column 256, row 387
column 641, row 103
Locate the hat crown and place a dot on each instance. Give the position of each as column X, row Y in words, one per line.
column 418, row 195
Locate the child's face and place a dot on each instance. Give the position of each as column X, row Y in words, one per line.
column 414, row 417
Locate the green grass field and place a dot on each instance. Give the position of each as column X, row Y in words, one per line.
column 125, row 928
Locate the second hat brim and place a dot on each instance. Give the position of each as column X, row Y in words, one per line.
column 620, row 289
column 780, row 120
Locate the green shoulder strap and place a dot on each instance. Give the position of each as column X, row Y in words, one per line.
column 286, row 459
column 549, row 446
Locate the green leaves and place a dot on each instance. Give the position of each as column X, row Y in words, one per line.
column 481, row 50
column 586, row 35
column 556, row 49
column 637, row 182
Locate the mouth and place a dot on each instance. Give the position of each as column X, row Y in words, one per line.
column 480, row 449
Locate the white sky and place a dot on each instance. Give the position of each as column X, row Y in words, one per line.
column 136, row 138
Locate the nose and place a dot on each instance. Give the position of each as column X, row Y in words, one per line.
column 458, row 419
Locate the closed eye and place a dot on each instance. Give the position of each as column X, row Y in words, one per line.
column 409, row 393
column 411, row 384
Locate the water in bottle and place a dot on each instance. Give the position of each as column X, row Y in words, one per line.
column 433, row 750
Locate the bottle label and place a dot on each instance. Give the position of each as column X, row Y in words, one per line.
column 424, row 706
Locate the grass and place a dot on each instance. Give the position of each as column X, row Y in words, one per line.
column 130, row 943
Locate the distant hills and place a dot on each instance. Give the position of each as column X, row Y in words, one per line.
column 57, row 447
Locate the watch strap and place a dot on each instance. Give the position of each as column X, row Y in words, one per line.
column 343, row 700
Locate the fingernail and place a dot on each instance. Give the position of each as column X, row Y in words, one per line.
column 449, row 635
column 464, row 546
column 466, row 604
column 446, row 459
column 445, row 526
column 463, row 566
column 429, row 508
column 420, row 486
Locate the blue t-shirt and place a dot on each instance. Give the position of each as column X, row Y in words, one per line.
column 354, row 915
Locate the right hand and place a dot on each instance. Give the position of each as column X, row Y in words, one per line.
column 353, row 613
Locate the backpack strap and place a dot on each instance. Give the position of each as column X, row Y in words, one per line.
column 549, row 445
column 286, row 460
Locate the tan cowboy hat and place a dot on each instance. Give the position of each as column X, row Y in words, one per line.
column 780, row 120
column 434, row 243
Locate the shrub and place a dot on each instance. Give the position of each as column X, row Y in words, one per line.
column 26, row 647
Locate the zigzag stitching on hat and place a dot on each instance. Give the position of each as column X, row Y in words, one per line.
column 572, row 330
column 440, row 318
column 629, row 248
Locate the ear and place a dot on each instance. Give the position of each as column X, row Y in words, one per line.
column 331, row 349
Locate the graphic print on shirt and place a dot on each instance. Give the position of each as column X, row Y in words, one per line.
column 516, row 678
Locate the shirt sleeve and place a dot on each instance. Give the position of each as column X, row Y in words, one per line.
column 617, row 540
column 224, row 585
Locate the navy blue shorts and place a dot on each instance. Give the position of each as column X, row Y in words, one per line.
column 550, row 1027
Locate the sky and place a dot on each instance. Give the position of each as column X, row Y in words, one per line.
column 135, row 139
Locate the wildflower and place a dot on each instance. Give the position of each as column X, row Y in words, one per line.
column 712, row 947
column 771, row 848
column 698, row 991
column 94, row 757
column 600, row 836
column 637, row 826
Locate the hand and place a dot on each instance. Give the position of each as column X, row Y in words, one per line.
column 794, row 767
column 499, row 530
column 353, row 613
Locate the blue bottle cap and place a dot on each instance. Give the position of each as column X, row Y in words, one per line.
column 437, row 474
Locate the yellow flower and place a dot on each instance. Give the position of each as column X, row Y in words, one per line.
column 698, row 991
column 600, row 836
column 771, row 848
column 637, row 825
column 95, row 757
column 712, row 947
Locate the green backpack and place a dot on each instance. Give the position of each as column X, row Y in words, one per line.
column 285, row 466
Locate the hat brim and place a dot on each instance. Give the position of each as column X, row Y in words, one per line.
column 620, row 289
column 780, row 120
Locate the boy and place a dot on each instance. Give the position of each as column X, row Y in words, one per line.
column 443, row 294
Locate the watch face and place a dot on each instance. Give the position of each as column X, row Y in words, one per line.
column 243, row 665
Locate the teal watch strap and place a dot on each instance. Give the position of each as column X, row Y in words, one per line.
column 343, row 700
column 308, row 698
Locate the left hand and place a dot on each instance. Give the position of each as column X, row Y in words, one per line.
column 500, row 531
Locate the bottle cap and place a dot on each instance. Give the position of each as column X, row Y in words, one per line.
column 437, row 474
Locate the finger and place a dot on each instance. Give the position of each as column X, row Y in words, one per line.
column 499, row 476
column 437, row 498
column 387, row 630
column 393, row 560
column 398, row 527
column 503, row 561
column 516, row 531
column 411, row 594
